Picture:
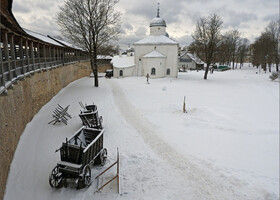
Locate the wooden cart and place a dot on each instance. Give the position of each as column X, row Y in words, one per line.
column 90, row 117
column 78, row 154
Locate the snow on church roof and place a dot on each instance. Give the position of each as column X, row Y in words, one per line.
column 156, row 39
column 154, row 54
column 123, row 61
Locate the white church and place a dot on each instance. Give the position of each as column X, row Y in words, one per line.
column 156, row 55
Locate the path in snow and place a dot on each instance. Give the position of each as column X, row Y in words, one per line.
column 141, row 176
column 150, row 168
column 205, row 182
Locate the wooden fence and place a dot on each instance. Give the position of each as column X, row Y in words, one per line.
column 21, row 56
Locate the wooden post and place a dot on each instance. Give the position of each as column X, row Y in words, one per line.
column 50, row 55
column 21, row 55
column 6, row 49
column 59, row 55
column 32, row 55
column 38, row 55
column 66, row 55
column 118, row 171
column 13, row 57
column 27, row 54
column 56, row 55
column 184, row 105
column 44, row 55
column 2, row 68
column 63, row 56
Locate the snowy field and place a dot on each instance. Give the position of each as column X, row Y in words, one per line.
column 225, row 147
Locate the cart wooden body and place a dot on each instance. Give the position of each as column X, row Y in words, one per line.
column 78, row 154
column 90, row 117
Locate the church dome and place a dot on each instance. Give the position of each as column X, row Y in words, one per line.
column 157, row 21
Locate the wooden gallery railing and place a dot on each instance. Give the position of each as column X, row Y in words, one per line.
column 22, row 56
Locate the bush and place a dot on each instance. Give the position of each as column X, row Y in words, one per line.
column 274, row 76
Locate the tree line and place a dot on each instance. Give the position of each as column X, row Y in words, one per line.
column 230, row 48
column 94, row 25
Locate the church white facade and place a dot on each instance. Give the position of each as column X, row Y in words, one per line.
column 157, row 54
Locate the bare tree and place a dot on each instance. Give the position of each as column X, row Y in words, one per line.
column 263, row 51
column 224, row 55
column 232, row 38
column 242, row 50
column 90, row 24
column 266, row 47
column 273, row 31
column 206, row 39
column 109, row 50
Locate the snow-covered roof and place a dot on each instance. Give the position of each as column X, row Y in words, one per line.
column 156, row 39
column 104, row 57
column 123, row 61
column 66, row 43
column 42, row 37
column 154, row 54
column 196, row 59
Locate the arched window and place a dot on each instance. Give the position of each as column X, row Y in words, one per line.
column 121, row 72
column 153, row 72
column 168, row 71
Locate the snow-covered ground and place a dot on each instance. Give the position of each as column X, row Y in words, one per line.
column 225, row 147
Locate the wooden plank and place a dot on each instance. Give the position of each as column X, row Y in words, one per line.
column 98, row 136
column 108, row 182
column 65, row 163
column 106, row 169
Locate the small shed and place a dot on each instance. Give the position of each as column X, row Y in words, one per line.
column 104, row 63
column 123, row 66
column 188, row 61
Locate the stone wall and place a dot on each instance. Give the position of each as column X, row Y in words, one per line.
column 103, row 67
column 23, row 101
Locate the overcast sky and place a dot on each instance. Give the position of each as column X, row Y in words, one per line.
column 250, row 17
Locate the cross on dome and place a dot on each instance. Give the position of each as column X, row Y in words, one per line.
column 158, row 10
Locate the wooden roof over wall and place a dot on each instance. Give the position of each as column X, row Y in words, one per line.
column 8, row 21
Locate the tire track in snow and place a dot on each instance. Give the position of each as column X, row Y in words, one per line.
column 205, row 182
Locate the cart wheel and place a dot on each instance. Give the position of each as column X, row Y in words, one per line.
column 55, row 178
column 87, row 176
column 103, row 156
